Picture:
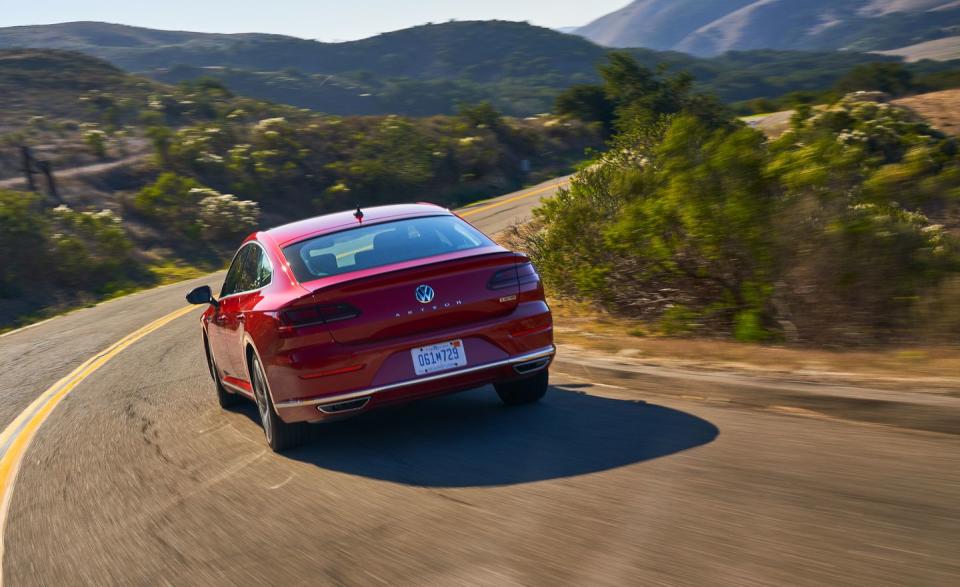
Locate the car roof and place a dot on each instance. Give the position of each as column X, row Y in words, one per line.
column 319, row 225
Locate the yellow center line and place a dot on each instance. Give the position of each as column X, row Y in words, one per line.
column 18, row 435
column 553, row 186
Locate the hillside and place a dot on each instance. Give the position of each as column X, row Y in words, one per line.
column 75, row 111
column 940, row 109
column 478, row 50
column 939, row 49
column 51, row 83
column 424, row 70
column 150, row 176
column 711, row 28
column 62, row 104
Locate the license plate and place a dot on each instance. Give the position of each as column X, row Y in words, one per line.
column 439, row 357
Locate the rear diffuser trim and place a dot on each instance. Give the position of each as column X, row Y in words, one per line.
column 543, row 353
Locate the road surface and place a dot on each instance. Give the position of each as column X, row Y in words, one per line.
column 137, row 477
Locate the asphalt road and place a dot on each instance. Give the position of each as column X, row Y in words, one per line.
column 138, row 478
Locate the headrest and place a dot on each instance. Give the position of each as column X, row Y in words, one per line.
column 321, row 265
column 387, row 243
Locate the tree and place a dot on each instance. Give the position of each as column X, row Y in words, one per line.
column 161, row 136
column 891, row 78
column 482, row 114
column 588, row 103
column 96, row 139
column 701, row 214
column 632, row 94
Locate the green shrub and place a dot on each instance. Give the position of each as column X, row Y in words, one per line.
column 222, row 217
column 185, row 207
column 23, row 238
column 96, row 139
column 90, row 250
column 299, row 167
column 61, row 252
column 823, row 235
column 856, row 243
column 170, row 200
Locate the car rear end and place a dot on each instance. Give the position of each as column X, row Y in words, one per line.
column 400, row 310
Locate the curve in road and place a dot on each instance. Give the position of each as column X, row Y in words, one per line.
column 138, row 477
column 492, row 215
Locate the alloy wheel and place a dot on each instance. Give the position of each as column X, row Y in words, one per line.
column 263, row 405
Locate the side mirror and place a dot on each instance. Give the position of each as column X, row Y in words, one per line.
column 202, row 295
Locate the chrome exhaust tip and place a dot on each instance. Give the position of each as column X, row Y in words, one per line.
column 531, row 366
column 346, row 406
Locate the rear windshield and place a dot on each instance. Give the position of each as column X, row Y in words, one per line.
column 366, row 247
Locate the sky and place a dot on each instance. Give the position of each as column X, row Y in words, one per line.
column 326, row 20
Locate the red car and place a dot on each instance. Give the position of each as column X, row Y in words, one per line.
column 344, row 313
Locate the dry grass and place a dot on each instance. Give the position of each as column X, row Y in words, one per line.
column 941, row 109
column 773, row 125
column 938, row 49
column 580, row 325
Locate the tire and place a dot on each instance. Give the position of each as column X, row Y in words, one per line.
column 525, row 391
column 225, row 398
column 280, row 435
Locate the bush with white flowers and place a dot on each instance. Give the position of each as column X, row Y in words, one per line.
column 223, row 216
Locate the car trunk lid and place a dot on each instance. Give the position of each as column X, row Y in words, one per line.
column 412, row 298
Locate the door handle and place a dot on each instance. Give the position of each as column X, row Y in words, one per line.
column 240, row 317
column 219, row 318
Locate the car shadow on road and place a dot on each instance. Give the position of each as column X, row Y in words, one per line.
column 470, row 439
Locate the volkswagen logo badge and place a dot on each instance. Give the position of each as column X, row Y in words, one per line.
column 424, row 294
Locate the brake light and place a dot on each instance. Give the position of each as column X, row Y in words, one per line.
column 310, row 315
column 526, row 273
column 513, row 277
column 502, row 279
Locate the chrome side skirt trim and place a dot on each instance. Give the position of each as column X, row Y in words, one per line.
column 544, row 353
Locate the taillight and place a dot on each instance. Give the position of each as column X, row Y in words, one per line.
column 503, row 279
column 526, row 273
column 310, row 315
column 513, row 277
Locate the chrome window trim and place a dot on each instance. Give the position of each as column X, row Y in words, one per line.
column 265, row 256
column 544, row 352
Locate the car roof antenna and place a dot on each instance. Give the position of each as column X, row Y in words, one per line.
column 358, row 214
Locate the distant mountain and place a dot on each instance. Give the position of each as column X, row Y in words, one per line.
column 478, row 50
column 709, row 27
column 420, row 71
column 78, row 36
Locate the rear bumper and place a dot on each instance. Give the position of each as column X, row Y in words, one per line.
column 309, row 372
column 335, row 406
